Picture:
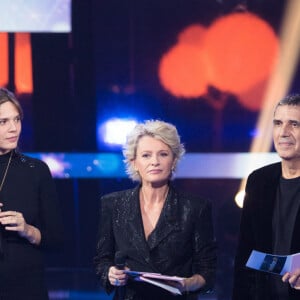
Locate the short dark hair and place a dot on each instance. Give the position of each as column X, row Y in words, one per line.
column 293, row 99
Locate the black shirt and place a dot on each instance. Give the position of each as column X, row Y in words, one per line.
column 29, row 189
column 284, row 217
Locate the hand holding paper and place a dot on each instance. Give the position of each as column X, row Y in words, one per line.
column 163, row 281
column 293, row 279
column 276, row 264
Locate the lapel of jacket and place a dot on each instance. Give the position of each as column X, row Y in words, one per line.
column 135, row 225
column 267, row 205
column 295, row 241
column 167, row 221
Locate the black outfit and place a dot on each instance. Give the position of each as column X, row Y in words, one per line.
column 270, row 223
column 29, row 189
column 181, row 244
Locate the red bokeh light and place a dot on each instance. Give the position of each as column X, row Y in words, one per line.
column 252, row 98
column 192, row 35
column 182, row 71
column 241, row 50
column 236, row 55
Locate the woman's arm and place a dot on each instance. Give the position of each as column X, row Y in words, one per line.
column 50, row 218
column 105, row 250
column 14, row 221
column 204, row 250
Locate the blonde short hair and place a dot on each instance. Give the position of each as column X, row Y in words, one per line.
column 157, row 129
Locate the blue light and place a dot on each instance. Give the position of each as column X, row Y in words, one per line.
column 110, row 165
column 254, row 132
column 83, row 165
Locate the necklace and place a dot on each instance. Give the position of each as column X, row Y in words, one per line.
column 5, row 172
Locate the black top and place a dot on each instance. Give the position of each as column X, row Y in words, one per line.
column 285, row 212
column 29, row 189
column 181, row 244
column 256, row 232
column 284, row 217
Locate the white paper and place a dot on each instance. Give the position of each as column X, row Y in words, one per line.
column 157, row 279
column 158, row 283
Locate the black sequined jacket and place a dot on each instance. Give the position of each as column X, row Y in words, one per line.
column 182, row 243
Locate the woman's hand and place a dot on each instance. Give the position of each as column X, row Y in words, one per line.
column 117, row 277
column 293, row 279
column 14, row 221
column 191, row 284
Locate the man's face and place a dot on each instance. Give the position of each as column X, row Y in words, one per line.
column 286, row 132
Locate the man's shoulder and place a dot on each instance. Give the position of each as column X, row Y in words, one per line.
column 268, row 170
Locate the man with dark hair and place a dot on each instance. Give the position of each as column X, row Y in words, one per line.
column 270, row 219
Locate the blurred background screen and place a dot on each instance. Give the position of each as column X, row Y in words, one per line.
column 35, row 16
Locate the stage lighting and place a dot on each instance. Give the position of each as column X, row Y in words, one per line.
column 114, row 131
column 56, row 164
column 239, row 198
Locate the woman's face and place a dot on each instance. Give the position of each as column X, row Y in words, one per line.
column 10, row 127
column 154, row 161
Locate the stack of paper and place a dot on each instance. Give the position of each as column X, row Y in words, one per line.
column 163, row 281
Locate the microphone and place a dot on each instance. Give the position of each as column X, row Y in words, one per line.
column 120, row 261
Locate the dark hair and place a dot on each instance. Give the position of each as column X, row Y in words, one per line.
column 293, row 99
column 8, row 96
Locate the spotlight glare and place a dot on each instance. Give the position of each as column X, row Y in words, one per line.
column 239, row 198
column 56, row 164
column 116, row 130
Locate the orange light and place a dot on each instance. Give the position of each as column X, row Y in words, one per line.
column 253, row 98
column 241, row 50
column 23, row 63
column 3, row 59
column 192, row 35
column 182, row 71
column 235, row 54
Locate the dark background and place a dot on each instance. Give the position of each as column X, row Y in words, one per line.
column 118, row 43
